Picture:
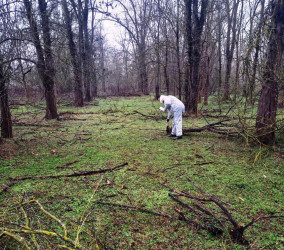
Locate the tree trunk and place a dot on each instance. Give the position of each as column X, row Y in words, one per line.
column 93, row 72
column 78, row 93
column 232, row 21
column 207, row 82
column 256, row 55
column 166, row 74
column 178, row 50
column 49, row 74
column 219, row 51
column 199, row 21
column 188, row 69
column 158, row 55
column 143, row 80
column 267, row 106
column 86, row 52
column 6, row 121
column 45, row 64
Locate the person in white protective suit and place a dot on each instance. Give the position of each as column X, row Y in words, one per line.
column 175, row 108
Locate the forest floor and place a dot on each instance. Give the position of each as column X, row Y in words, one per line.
column 107, row 133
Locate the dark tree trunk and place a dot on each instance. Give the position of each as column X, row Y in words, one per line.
column 219, row 50
column 158, row 55
column 166, row 74
column 86, row 53
column 188, row 70
column 178, row 50
column 93, row 72
column 45, row 64
column 6, row 121
column 198, row 20
column 51, row 109
column 207, row 82
column 143, row 80
column 256, row 55
column 267, row 106
column 78, row 93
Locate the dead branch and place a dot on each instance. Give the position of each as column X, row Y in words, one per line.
column 140, row 209
column 206, row 127
column 75, row 113
column 191, row 209
column 4, row 189
column 236, row 232
column 211, row 229
column 75, row 174
column 22, row 124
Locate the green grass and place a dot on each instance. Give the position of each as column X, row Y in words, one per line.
column 110, row 133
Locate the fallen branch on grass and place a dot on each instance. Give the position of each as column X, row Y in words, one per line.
column 213, row 230
column 66, row 165
column 206, row 127
column 75, row 174
column 236, row 229
column 22, row 124
column 140, row 209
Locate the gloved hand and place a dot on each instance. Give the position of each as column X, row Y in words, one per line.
column 162, row 109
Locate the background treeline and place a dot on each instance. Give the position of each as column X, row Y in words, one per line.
column 232, row 49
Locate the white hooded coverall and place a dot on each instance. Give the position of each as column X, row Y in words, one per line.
column 175, row 108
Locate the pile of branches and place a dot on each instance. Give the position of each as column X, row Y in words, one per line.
column 216, row 220
column 197, row 211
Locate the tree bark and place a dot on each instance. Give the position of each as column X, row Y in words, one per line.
column 267, row 106
column 78, row 93
column 6, row 121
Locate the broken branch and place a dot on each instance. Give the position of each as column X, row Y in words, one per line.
column 140, row 209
